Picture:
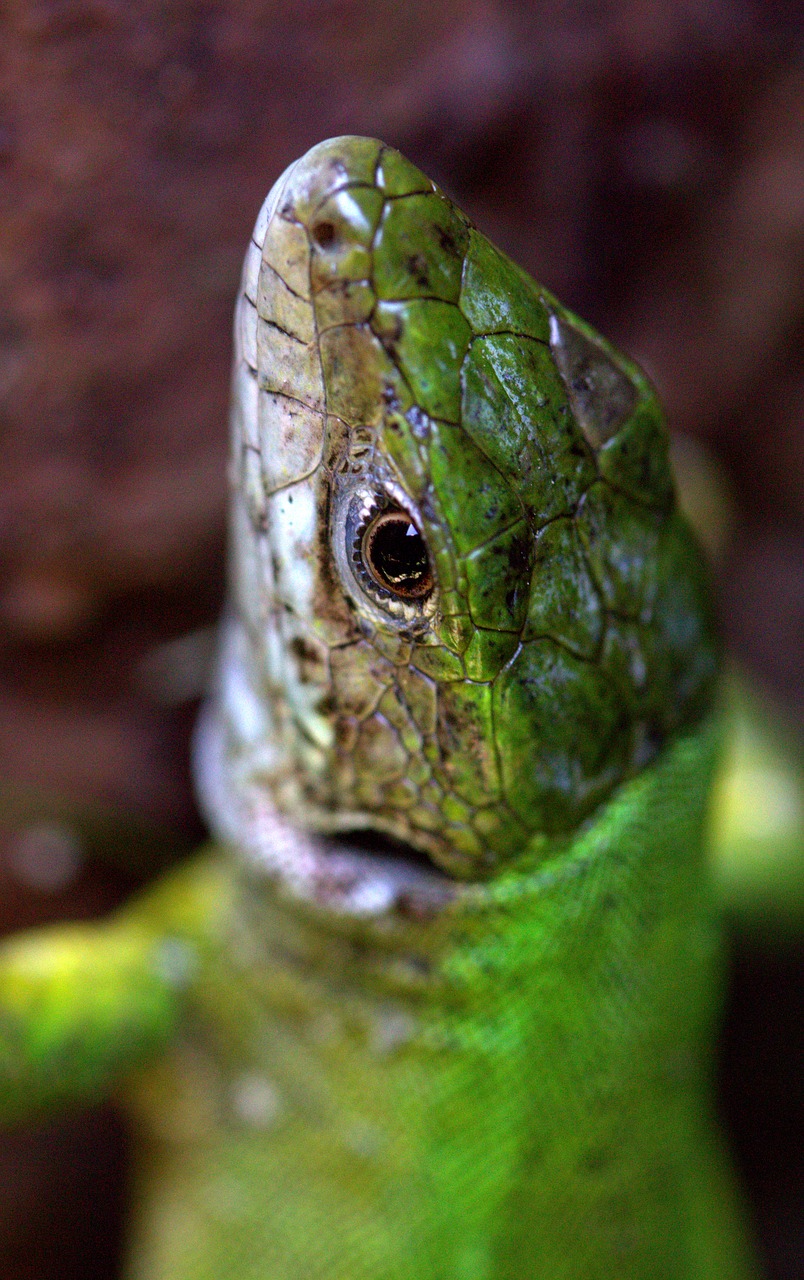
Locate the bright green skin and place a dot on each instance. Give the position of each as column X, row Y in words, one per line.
column 499, row 1075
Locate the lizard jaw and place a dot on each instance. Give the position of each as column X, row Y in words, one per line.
column 361, row 874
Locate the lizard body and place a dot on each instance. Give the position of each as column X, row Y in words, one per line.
column 440, row 1006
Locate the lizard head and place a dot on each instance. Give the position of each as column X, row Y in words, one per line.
column 464, row 605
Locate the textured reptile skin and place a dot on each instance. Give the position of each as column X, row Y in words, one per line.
column 464, row 613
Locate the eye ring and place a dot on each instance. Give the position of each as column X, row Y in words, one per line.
column 394, row 553
column 388, row 583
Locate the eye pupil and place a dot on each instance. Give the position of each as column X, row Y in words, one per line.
column 395, row 555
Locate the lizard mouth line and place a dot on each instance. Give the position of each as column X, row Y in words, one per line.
column 354, row 873
column 375, row 844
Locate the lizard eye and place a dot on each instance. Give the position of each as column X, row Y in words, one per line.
column 395, row 554
column 382, row 555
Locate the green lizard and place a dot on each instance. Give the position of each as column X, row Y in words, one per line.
column 439, row 1005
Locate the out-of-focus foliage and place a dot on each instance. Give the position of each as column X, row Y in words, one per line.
column 757, row 846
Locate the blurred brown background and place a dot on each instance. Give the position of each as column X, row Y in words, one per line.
column 644, row 159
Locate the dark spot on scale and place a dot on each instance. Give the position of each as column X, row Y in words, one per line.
column 303, row 649
column 653, row 740
column 451, row 722
column 578, row 448
column 446, row 240
column 346, row 730
column 324, row 234
column 417, row 266
column 390, row 397
column 519, row 554
column 596, row 1160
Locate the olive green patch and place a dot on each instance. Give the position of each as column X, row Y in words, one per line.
column 341, row 236
column 396, row 176
column 563, row 736
column 402, row 444
column 499, row 575
column 420, row 696
column 497, row 295
column 466, row 737
column 419, row 250
column 438, row 662
column 428, row 340
column 279, row 305
column 514, row 406
column 454, row 629
column 379, row 753
column 326, row 168
column 487, row 653
column 355, row 369
column 682, row 645
column 636, row 459
column 344, row 302
column 344, row 262
column 360, row 677
column 349, row 217
column 621, row 540
column 476, row 500
column 564, row 601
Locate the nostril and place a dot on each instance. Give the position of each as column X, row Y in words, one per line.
column 324, row 234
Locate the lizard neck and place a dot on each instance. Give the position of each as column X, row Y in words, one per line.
column 606, row 897
column 463, row 1084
